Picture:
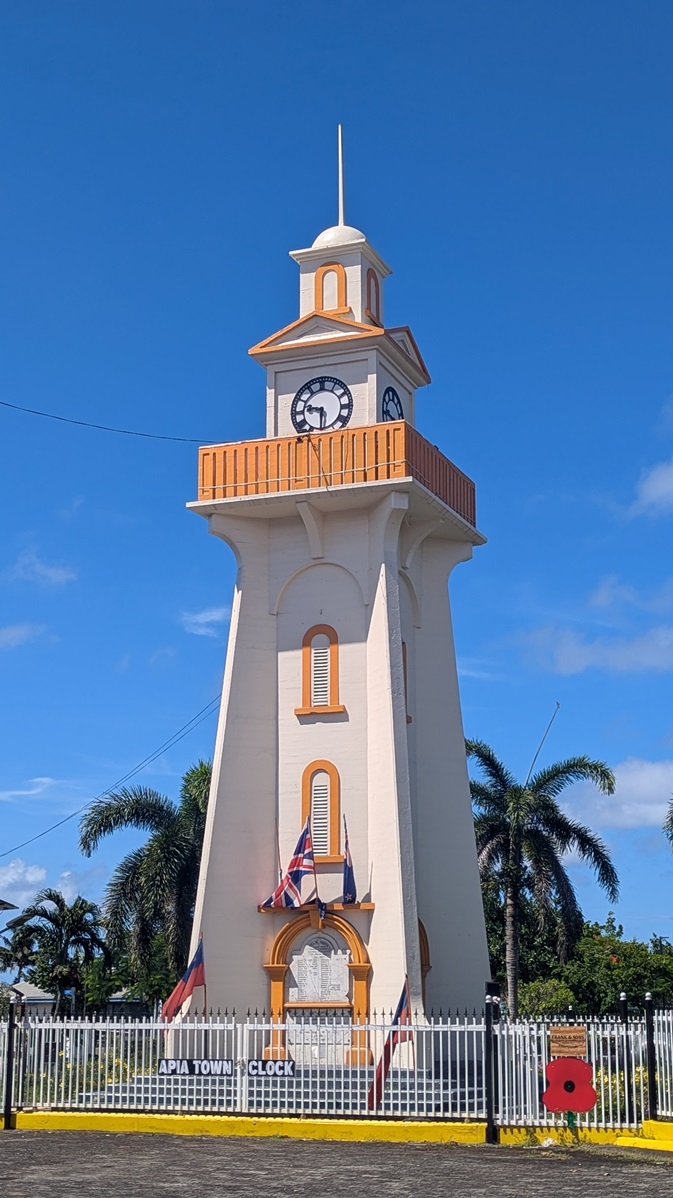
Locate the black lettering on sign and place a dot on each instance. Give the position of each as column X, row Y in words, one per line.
column 203, row 1067
column 270, row 1068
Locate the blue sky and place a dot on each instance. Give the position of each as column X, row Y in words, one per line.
column 513, row 163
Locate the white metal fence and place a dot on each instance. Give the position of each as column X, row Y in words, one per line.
column 616, row 1051
column 663, row 1047
column 328, row 1066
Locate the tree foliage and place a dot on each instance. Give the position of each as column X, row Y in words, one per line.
column 67, row 937
column 153, row 889
column 523, row 837
column 604, row 965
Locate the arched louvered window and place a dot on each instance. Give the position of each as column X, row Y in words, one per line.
column 320, row 788
column 321, row 799
column 330, row 288
column 373, row 305
column 320, row 672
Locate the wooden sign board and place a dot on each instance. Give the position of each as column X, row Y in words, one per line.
column 567, row 1041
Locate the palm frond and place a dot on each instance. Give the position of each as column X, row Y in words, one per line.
column 137, row 807
column 554, row 779
column 498, row 775
column 668, row 823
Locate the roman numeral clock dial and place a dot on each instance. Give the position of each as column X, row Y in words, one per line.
column 391, row 406
column 321, row 404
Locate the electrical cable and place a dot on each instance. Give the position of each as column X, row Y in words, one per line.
column 105, row 428
column 197, row 719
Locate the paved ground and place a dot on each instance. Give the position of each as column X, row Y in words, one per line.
column 94, row 1164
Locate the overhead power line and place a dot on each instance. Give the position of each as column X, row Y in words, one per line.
column 104, row 428
column 200, row 716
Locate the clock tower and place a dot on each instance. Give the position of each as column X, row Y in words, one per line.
column 340, row 700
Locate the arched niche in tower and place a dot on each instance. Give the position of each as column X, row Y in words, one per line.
column 320, row 599
column 293, row 986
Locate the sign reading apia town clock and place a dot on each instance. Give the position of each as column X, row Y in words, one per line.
column 222, row 1067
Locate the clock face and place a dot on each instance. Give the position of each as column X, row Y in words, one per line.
column 321, row 404
column 391, row 406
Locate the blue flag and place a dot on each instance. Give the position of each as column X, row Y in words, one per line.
column 349, row 890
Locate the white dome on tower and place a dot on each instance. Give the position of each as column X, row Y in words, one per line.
column 337, row 235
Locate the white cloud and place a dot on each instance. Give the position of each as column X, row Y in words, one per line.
column 19, row 634
column 35, row 786
column 654, row 492
column 612, row 593
column 564, row 651
column 205, row 623
column 72, row 882
column 67, row 512
column 19, row 882
column 165, row 653
column 643, row 790
column 30, row 568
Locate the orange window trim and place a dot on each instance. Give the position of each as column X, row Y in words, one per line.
column 374, row 315
column 307, row 707
column 332, row 772
column 319, row 292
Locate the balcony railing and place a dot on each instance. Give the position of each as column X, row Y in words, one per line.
column 370, row 453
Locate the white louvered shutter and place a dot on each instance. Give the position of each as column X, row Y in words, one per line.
column 320, row 652
column 320, row 814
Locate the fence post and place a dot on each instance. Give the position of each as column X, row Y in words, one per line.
column 489, row 1073
column 9, row 1068
column 624, row 1013
column 652, row 1096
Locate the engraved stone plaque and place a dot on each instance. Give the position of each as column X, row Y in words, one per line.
column 319, row 972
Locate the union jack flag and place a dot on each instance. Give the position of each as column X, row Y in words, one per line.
column 288, row 891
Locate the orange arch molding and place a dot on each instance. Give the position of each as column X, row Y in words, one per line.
column 359, row 965
column 334, row 804
column 334, row 707
column 319, row 293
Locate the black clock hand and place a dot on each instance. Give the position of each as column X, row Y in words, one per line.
column 317, row 408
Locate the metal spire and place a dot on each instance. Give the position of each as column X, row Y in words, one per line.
column 340, row 148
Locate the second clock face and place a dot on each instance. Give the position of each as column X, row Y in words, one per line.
column 321, row 404
column 391, row 405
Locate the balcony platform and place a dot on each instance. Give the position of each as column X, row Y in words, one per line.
column 348, row 468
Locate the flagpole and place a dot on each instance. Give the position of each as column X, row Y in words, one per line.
column 280, row 868
column 315, row 874
column 205, row 992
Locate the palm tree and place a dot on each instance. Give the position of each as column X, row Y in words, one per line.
column 522, row 838
column 668, row 823
column 153, row 889
column 66, row 936
column 18, row 950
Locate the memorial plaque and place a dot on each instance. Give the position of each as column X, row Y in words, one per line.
column 567, row 1041
column 319, row 972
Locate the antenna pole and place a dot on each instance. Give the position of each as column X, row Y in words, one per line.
column 340, row 148
column 541, row 744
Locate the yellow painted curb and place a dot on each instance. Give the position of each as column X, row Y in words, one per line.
column 654, row 1130
column 641, row 1142
column 560, row 1135
column 231, row 1125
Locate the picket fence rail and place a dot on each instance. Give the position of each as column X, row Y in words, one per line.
column 473, row 1068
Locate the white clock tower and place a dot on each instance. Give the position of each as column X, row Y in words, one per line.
column 340, row 693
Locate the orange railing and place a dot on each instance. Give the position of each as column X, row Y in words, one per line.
column 357, row 455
